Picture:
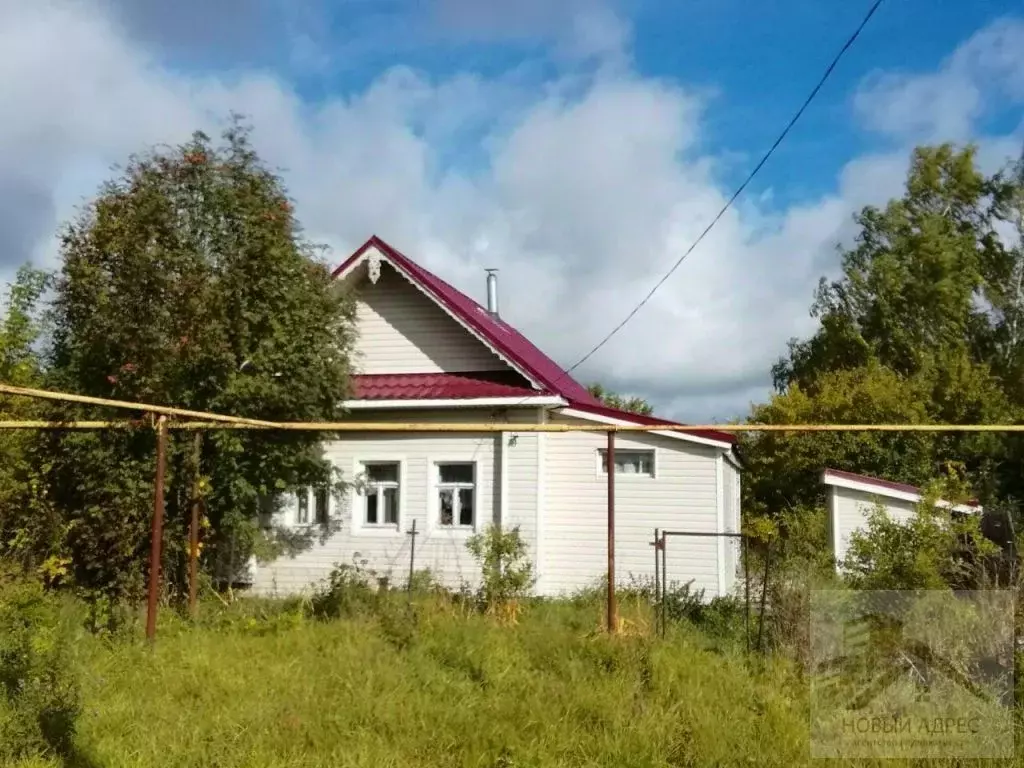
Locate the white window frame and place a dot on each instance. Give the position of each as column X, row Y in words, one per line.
column 358, row 497
column 600, row 470
column 435, row 485
column 309, row 494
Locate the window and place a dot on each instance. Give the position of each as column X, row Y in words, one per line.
column 321, row 498
column 322, row 504
column 630, row 462
column 382, row 489
column 456, row 494
column 302, row 513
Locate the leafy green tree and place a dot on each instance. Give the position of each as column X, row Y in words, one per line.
column 910, row 286
column 188, row 282
column 29, row 532
column 613, row 400
column 910, row 332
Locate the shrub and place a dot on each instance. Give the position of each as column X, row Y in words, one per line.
column 506, row 571
column 346, row 592
column 934, row 549
column 39, row 692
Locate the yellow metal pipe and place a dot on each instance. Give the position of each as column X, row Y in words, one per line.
column 67, row 397
column 376, row 426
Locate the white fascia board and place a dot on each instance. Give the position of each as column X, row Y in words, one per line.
column 873, row 488
column 468, row 402
column 472, row 332
column 891, row 493
column 573, row 413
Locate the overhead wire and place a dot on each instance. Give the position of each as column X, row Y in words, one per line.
column 739, row 190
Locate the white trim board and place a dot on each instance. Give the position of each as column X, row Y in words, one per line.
column 720, row 518
column 467, row 402
column 877, row 489
column 573, row 413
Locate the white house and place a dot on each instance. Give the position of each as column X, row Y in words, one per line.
column 428, row 353
column 852, row 498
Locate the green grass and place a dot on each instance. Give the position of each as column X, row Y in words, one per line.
column 256, row 687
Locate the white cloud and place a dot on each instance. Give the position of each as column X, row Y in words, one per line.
column 944, row 105
column 593, row 187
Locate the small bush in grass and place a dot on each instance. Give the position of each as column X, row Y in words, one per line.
column 347, row 591
column 506, row 571
column 39, row 693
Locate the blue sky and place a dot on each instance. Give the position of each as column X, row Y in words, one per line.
column 579, row 145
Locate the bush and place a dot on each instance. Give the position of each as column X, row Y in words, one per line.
column 506, row 571
column 346, row 592
column 934, row 549
column 39, row 692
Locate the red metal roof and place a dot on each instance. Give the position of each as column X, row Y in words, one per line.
column 880, row 483
column 867, row 479
column 437, row 386
column 512, row 345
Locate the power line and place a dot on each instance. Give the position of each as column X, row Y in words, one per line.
column 736, row 194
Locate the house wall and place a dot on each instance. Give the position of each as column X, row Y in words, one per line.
column 443, row 551
column 849, row 510
column 683, row 495
column 402, row 331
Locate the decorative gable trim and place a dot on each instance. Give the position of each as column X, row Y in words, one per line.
column 373, row 257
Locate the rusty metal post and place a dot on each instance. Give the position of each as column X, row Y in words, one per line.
column 764, row 595
column 746, row 589
column 157, row 534
column 613, row 612
column 412, row 557
column 664, row 582
column 657, row 565
column 193, row 530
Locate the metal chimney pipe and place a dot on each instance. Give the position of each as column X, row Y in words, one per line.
column 492, row 292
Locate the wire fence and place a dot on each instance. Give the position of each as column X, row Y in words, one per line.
column 164, row 419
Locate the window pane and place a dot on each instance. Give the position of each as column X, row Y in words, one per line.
column 445, row 499
column 391, row 506
column 302, row 515
column 465, row 506
column 371, row 506
column 630, row 462
column 455, row 473
column 382, row 473
column 323, row 504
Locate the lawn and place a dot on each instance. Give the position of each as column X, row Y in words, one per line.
column 260, row 685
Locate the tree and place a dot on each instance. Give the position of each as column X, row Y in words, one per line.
column 612, row 400
column 784, row 470
column 28, row 532
column 910, row 332
column 187, row 282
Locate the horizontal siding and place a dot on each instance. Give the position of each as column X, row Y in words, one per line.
column 851, row 510
column 402, row 331
column 682, row 497
column 441, row 551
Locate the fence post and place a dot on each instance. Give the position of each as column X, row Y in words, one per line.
column 657, row 575
column 193, row 530
column 157, row 534
column 664, row 582
column 412, row 557
column 764, row 593
column 613, row 618
column 746, row 589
